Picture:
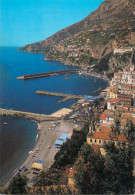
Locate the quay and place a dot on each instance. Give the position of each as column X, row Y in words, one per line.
column 47, row 74
column 66, row 96
column 28, row 115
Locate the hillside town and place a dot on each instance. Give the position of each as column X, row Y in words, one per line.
column 120, row 100
column 120, row 103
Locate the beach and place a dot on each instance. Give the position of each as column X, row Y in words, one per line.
column 44, row 149
column 62, row 112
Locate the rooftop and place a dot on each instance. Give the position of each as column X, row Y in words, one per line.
column 126, row 116
column 103, row 116
column 105, row 128
column 106, row 136
column 113, row 100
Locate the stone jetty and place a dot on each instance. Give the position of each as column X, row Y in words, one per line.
column 69, row 96
column 28, row 115
column 47, row 74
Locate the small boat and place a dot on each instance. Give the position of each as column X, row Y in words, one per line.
column 5, row 123
column 30, row 152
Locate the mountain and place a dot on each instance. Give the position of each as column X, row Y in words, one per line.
column 96, row 40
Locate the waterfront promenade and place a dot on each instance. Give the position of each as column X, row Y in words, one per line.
column 28, row 115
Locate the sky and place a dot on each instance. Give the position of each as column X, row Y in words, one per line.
column 28, row 21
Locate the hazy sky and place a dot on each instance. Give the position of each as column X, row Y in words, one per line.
column 28, row 21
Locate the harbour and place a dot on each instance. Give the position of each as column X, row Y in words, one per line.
column 20, row 96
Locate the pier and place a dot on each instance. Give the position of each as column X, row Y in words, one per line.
column 47, row 74
column 28, row 115
column 66, row 96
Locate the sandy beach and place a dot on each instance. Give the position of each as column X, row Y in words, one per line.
column 61, row 112
column 45, row 149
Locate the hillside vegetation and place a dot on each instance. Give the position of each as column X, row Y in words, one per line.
column 93, row 39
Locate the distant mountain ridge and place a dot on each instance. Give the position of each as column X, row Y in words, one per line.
column 93, row 39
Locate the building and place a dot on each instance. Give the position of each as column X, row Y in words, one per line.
column 108, row 117
column 111, row 104
column 37, row 166
column 105, row 128
column 100, row 138
column 62, row 139
column 71, row 179
column 125, row 100
column 113, row 91
column 123, row 50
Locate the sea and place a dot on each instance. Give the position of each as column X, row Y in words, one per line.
column 17, row 135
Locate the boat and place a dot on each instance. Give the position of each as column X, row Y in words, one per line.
column 5, row 123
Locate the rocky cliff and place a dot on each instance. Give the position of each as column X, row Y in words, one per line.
column 106, row 34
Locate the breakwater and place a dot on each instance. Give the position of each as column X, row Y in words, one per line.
column 68, row 96
column 28, row 115
column 96, row 91
column 47, row 74
column 63, row 100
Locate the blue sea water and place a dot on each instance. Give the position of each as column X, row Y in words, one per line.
column 16, row 139
column 20, row 95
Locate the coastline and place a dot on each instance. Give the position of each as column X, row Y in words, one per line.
column 81, row 66
column 67, row 63
column 38, row 141
column 41, row 135
column 14, row 172
column 47, row 136
column 22, row 161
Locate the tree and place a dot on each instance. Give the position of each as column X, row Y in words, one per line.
column 119, row 169
column 89, row 171
column 129, row 131
column 98, row 175
column 43, row 180
column 115, row 129
column 80, row 175
column 69, row 150
column 18, row 184
column 86, row 151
